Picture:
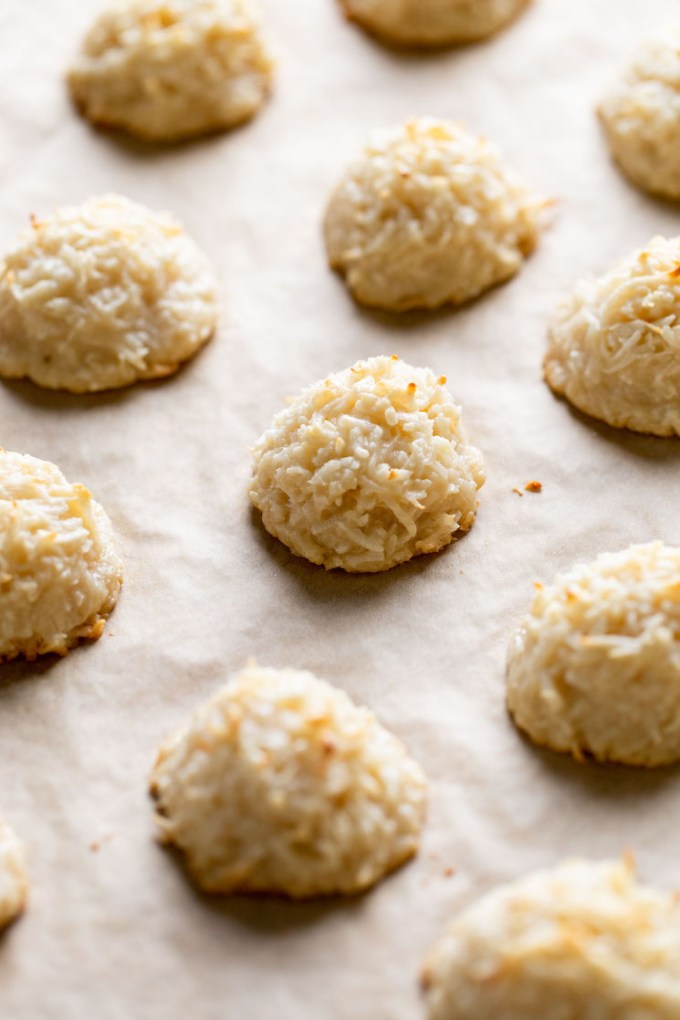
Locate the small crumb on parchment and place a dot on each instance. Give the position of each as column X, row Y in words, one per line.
column 532, row 486
column 96, row 844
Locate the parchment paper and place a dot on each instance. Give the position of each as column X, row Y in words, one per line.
column 117, row 932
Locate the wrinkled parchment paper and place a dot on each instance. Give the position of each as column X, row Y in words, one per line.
column 113, row 929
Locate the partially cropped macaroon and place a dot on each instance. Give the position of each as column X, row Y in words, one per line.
column 614, row 344
column 433, row 22
column 429, row 215
column 168, row 70
column 594, row 668
column 101, row 295
column 13, row 878
column 60, row 575
column 368, row 468
column 641, row 116
column 582, row 940
column 280, row 784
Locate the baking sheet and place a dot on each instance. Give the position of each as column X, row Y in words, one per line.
column 113, row 929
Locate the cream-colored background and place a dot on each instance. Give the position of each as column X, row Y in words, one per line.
column 118, row 933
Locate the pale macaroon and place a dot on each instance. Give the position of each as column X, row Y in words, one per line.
column 641, row 116
column 429, row 215
column 60, row 574
column 13, row 877
column 168, row 70
column 582, row 940
column 614, row 344
column 280, row 784
column 594, row 668
column 101, row 295
column 433, row 22
column 367, row 468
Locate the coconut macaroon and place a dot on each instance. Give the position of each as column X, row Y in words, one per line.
column 13, row 879
column 641, row 116
column 429, row 215
column 614, row 344
column 280, row 784
column 583, row 940
column 595, row 666
column 166, row 70
column 367, row 468
column 60, row 575
column 102, row 295
column 433, row 22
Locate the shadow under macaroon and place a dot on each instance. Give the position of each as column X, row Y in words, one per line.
column 21, row 671
column 414, row 320
column 147, row 150
column 597, row 780
column 638, row 444
column 271, row 913
column 415, row 53
column 337, row 584
column 58, row 400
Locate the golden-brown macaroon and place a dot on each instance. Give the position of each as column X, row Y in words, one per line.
column 101, row 295
column 13, row 879
column 594, row 668
column 280, row 784
column 429, row 215
column 167, row 70
column 582, row 940
column 641, row 116
column 614, row 344
column 433, row 22
column 367, row 468
column 60, row 575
